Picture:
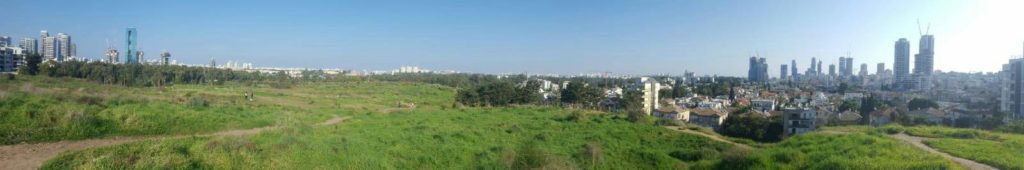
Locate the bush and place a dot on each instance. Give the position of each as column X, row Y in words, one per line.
column 694, row 155
column 197, row 102
column 577, row 116
column 668, row 122
column 892, row 129
column 1013, row 127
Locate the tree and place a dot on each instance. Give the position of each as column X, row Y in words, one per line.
column 578, row 93
column 753, row 127
column 665, row 94
column 31, row 66
column 679, row 90
column 868, row 105
column 843, row 87
column 631, row 100
column 918, row 104
column 529, row 93
column 849, row 105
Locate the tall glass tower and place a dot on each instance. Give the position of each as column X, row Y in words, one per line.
column 130, row 43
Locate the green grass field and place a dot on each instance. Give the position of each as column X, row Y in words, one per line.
column 40, row 109
column 1001, row 150
column 854, row 147
column 422, row 139
column 385, row 132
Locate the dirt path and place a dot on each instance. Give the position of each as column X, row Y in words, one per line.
column 712, row 137
column 916, row 141
column 31, row 156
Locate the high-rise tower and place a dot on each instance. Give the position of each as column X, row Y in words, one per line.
column 130, row 44
column 901, row 63
column 64, row 43
column 923, row 61
column 793, row 68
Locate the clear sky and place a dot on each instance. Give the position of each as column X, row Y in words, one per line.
column 535, row 36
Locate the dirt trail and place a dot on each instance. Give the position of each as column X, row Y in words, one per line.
column 916, row 141
column 31, row 156
column 712, row 137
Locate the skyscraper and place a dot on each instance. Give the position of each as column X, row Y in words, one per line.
column 764, row 69
column 880, row 68
column 901, row 65
column 49, row 48
column 819, row 67
column 1012, row 88
column 112, row 55
column 831, row 69
column 165, row 57
column 849, row 66
column 795, row 73
column 783, row 73
column 923, row 61
column 130, row 55
column 752, row 69
column 64, row 43
column 863, row 70
column 812, row 69
column 758, row 70
column 30, row 45
column 140, row 57
column 842, row 66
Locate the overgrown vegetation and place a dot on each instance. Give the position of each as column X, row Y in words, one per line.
column 851, row 150
column 753, row 127
column 471, row 138
column 1000, row 150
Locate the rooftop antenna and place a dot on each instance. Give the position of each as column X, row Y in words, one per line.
column 927, row 30
column 919, row 28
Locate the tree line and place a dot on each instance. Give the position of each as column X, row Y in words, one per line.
column 509, row 92
column 140, row 75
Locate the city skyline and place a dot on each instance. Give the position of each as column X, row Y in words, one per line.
column 705, row 37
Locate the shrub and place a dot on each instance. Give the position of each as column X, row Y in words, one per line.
column 576, row 116
column 668, row 122
column 197, row 101
column 892, row 129
column 1013, row 127
column 694, row 155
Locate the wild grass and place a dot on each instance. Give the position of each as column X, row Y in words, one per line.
column 40, row 109
column 1001, row 150
column 825, row 150
column 384, row 133
column 471, row 138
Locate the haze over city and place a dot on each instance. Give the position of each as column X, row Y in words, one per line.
column 627, row 37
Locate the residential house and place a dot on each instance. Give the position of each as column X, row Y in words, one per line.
column 762, row 105
column 672, row 113
column 712, row 118
column 798, row 121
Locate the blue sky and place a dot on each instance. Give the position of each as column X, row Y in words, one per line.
column 535, row 36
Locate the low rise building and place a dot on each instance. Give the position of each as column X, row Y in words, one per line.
column 673, row 113
column 763, row 105
column 711, row 118
column 799, row 121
